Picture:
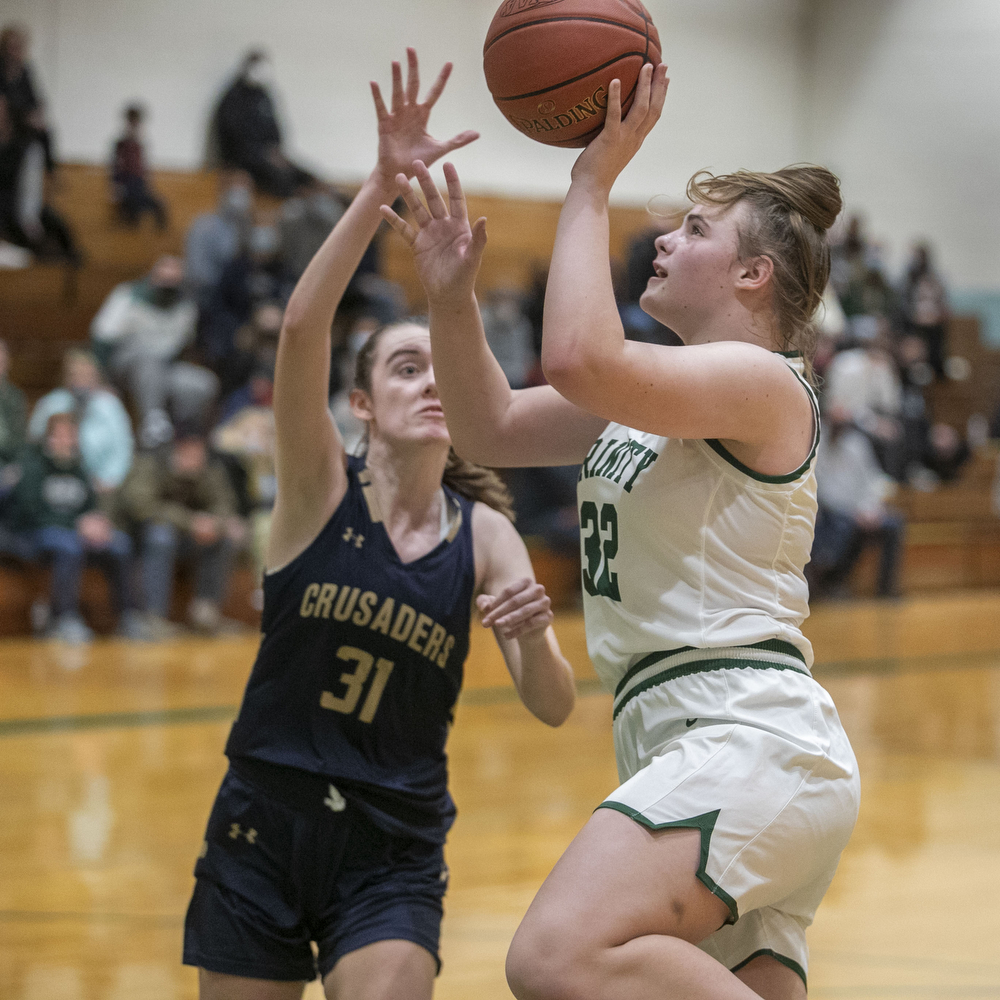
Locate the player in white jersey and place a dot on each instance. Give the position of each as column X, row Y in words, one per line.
column 697, row 501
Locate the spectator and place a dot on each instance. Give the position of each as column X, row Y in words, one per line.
column 13, row 423
column 545, row 502
column 181, row 503
column 17, row 84
column 508, row 333
column 26, row 220
column 925, row 306
column 864, row 381
column 129, row 176
column 852, row 494
column 255, row 355
column 142, row 330
column 247, row 434
column 306, row 221
column 55, row 508
column 105, row 431
column 215, row 239
column 248, row 132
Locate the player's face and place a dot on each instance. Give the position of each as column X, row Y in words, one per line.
column 404, row 403
column 696, row 268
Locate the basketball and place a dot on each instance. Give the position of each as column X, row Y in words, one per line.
column 549, row 63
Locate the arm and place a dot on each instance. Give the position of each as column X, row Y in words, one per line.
column 519, row 612
column 488, row 421
column 733, row 391
column 309, row 458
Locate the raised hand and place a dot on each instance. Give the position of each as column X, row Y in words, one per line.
column 518, row 610
column 608, row 154
column 446, row 249
column 402, row 132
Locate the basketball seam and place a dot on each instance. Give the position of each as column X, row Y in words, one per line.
column 555, row 20
column 566, row 83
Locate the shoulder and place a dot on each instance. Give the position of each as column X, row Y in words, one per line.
column 494, row 538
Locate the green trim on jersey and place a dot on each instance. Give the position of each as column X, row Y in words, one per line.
column 723, row 452
column 698, row 667
column 770, row 645
column 705, row 824
column 784, row 959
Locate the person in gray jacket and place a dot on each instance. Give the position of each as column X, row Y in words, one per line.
column 140, row 332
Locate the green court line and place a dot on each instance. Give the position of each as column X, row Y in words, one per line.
column 117, row 720
column 474, row 696
column 39, row 916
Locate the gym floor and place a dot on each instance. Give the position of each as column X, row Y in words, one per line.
column 110, row 757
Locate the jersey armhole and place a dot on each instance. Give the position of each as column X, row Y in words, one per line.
column 720, row 449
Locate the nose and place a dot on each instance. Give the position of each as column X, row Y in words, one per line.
column 430, row 386
column 665, row 243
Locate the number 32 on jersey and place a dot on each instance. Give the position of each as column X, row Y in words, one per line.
column 600, row 546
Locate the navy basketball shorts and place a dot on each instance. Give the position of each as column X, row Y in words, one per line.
column 272, row 878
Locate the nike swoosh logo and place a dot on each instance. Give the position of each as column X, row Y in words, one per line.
column 690, row 722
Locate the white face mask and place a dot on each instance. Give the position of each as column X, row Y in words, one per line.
column 259, row 73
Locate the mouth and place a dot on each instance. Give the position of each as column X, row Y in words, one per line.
column 434, row 411
column 659, row 270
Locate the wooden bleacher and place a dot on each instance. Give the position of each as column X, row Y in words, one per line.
column 953, row 537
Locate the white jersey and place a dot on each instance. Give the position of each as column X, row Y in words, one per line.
column 684, row 547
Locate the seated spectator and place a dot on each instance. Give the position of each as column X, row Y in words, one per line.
column 105, row 430
column 216, row 238
column 947, row 452
column 864, row 381
column 638, row 269
column 129, row 176
column 180, row 502
column 924, row 302
column 852, row 491
column 248, row 132
column 141, row 332
column 26, row 220
column 246, row 433
column 17, row 84
column 55, row 510
column 305, row 223
column 13, row 424
column 508, row 333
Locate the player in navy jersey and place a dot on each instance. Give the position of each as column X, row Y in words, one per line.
column 328, row 829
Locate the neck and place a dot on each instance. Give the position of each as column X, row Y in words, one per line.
column 737, row 322
column 407, row 480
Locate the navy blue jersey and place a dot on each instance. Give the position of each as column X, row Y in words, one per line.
column 361, row 664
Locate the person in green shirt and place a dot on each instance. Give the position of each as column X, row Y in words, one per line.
column 54, row 510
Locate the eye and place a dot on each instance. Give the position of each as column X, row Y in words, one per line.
column 695, row 228
column 408, row 369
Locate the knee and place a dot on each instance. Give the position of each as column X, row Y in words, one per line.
column 546, row 963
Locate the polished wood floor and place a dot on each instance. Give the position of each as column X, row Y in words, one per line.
column 110, row 756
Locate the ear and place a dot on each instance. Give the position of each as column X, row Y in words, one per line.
column 754, row 274
column 361, row 405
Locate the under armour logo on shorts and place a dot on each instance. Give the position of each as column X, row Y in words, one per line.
column 335, row 800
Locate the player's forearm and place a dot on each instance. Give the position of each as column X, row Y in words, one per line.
column 582, row 333
column 312, row 305
column 474, row 391
column 546, row 682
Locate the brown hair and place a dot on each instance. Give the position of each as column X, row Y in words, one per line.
column 790, row 213
column 474, row 482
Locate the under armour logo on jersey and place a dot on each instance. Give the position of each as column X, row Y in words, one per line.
column 335, row 800
column 349, row 536
column 235, row 832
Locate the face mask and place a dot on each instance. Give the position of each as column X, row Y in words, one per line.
column 164, row 298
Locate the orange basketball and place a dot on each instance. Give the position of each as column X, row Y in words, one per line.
column 549, row 63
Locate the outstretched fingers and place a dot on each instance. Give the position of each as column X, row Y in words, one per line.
column 412, row 76
column 435, row 203
column 397, row 87
column 456, row 197
column 381, row 111
column 417, row 208
column 408, row 233
column 435, row 92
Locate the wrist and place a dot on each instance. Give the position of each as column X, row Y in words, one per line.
column 445, row 304
column 534, row 642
